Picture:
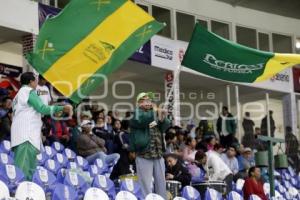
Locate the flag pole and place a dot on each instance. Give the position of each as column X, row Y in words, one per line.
column 228, row 97
column 270, row 148
column 238, row 112
column 172, row 92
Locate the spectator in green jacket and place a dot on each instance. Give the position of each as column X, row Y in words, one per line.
column 146, row 139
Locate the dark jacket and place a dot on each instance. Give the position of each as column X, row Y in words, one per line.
column 88, row 144
column 180, row 173
column 230, row 124
column 102, row 133
column 291, row 144
column 139, row 136
column 123, row 166
column 248, row 126
column 5, row 124
column 264, row 126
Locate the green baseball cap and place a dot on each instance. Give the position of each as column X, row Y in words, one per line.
column 143, row 94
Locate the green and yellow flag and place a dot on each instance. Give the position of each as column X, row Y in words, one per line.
column 89, row 39
column 215, row 56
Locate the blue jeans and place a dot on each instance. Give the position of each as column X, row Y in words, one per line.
column 110, row 159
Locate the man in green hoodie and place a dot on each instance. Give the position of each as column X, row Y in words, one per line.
column 146, row 139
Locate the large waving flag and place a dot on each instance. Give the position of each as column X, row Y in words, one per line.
column 89, row 39
column 215, row 56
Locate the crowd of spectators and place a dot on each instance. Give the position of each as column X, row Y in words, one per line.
column 193, row 154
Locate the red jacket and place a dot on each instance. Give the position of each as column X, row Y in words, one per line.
column 253, row 187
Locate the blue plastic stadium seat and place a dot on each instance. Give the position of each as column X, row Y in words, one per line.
column 212, row 194
column 105, row 184
column 133, row 187
column 58, row 147
column 63, row 192
column 190, row 193
column 5, row 146
column 69, row 154
column 52, row 166
column 61, row 160
column 50, row 152
column 11, row 176
column 45, row 179
column 6, row 159
column 82, row 162
column 41, row 158
column 234, row 196
column 77, row 182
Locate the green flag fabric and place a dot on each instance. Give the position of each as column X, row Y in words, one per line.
column 217, row 57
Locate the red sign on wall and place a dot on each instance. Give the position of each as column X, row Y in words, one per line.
column 296, row 77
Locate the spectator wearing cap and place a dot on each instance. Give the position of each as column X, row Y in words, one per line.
column 176, row 170
column 226, row 127
column 230, row 159
column 92, row 147
column 146, row 138
column 245, row 161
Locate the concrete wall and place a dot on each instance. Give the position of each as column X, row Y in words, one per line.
column 20, row 15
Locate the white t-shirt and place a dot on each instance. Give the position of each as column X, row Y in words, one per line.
column 216, row 167
column 224, row 126
column 29, row 129
column 44, row 93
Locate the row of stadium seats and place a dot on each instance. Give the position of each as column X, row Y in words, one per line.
column 59, row 168
column 30, row 190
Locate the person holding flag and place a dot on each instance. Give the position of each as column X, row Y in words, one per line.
column 28, row 109
column 146, row 139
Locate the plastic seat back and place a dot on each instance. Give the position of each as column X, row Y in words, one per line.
column 234, row 196
column 125, row 195
column 12, row 176
column 83, row 163
column 29, row 190
column 52, row 166
column 61, row 160
column 132, row 186
column 63, row 192
column 179, row 198
column 50, row 152
column 69, row 154
column 45, row 179
column 5, row 146
column 212, row 194
column 254, row 197
column 190, row 193
column 58, row 147
column 76, row 181
column 240, row 184
column 105, row 184
column 42, row 158
column 4, row 191
column 6, row 159
column 94, row 194
column 153, row 196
